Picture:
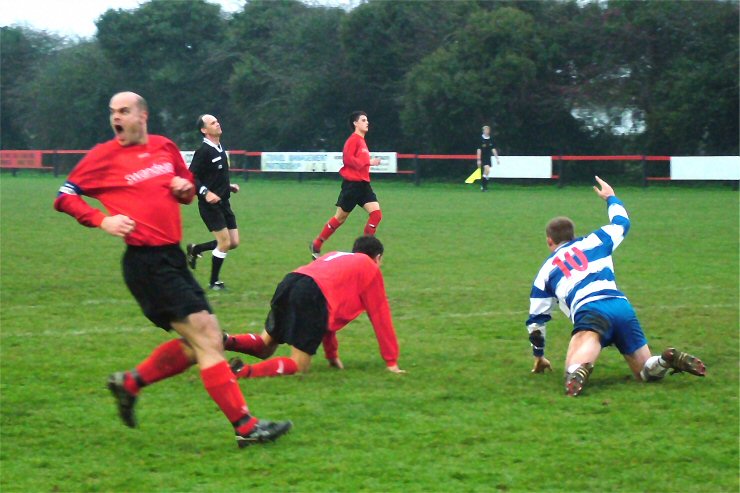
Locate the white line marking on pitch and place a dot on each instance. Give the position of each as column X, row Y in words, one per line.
column 141, row 329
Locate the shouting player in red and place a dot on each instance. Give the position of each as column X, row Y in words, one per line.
column 141, row 179
column 315, row 301
column 356, row 189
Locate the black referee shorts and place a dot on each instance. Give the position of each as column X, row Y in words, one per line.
column 298, row 314
column 355, row 193
column 217, row 216
column 159, row 279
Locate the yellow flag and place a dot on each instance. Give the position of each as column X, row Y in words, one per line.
column 475, row 176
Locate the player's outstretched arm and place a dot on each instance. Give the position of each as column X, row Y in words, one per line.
column 605, row 191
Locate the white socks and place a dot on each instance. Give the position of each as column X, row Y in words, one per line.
column 655, row 369
column 218, row 253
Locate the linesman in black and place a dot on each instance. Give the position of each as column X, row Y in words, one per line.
column 210, row 167
column 486, row 151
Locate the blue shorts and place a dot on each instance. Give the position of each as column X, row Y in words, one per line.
column 615, row 321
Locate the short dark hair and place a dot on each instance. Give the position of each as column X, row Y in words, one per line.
column 354, row 117
column 200, row 123
column 369, row 245
column 560, row 230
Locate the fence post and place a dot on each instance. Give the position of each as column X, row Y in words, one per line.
column 55, row 163
column 644, row 172
column 417, row 170
column 561, row 181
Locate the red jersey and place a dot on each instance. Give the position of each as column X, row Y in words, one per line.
column 352, row 283
column 356, row 159
column 133, row 181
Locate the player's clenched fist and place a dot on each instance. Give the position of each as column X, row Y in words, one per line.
column 541, row 364
column 180, row 187
column 118, row 225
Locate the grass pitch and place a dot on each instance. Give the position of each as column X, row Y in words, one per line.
column 468, row 416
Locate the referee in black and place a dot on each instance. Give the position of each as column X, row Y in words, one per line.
column 210, row 167
column 485, row 153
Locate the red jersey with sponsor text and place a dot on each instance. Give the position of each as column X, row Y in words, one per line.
column 356, row 159
column 133, row 181
column 352, row 283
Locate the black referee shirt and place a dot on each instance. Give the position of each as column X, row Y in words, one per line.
column 486, row 149
column 210, row 167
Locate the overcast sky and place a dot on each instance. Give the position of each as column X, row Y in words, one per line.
column 77, row 17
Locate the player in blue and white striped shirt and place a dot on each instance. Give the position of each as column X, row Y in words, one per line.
column 579, row 276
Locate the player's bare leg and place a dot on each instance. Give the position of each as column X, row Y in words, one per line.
column 329, row 228
column 203, row 335
column 637, row 363
column 302, row 359
column 233, row 239
column 583, row 350
column 374, row 217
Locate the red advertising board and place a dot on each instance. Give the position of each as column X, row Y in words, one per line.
column 20, row 159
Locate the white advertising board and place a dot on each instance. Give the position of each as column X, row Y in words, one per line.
column 187, row 156
column 320, row 162
column 705, row 168
column 521, row 167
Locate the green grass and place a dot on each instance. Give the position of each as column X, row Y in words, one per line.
column 468, row 416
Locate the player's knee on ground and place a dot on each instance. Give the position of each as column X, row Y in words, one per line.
column 302, row 360
column 303, row 367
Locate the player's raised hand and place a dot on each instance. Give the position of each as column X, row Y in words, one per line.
column 541, row 364
column 118, row 225
column 395, row 369
column 606, row 190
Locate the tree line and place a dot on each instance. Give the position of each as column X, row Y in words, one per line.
column 550, row 77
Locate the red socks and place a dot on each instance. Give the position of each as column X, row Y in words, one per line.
column 273, row 367
column 245, row 343
column 167, row 360
column 221, row 385
column 328, row 230
column 372, row 222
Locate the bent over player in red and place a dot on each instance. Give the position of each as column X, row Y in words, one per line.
column 356, row 189
column 315, row 301
column 141, row 179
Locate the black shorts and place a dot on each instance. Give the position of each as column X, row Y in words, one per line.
column 355, row 193
column 217, row 216
column 298, row 314
column 159, row 279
